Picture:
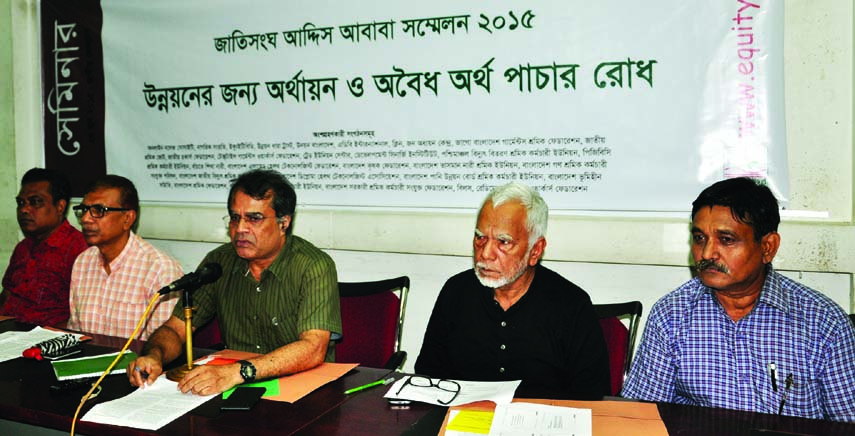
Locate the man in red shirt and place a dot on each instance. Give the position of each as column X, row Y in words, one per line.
column 36, row 283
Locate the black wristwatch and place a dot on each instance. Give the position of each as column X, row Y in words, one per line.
column 247, row 370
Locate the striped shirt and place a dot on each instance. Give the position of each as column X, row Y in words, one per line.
column 111, row 304
column 297, row 292
column 693, row 353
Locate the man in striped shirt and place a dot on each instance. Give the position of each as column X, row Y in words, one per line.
column 278, row 295
column 740, row 335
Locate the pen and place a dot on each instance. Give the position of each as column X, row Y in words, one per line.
column 369, row 385
column 774, row 377
column 787, row 384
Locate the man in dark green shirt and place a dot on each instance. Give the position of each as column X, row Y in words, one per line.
column 278, row 295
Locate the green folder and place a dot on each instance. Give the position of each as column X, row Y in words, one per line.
column 92, row 366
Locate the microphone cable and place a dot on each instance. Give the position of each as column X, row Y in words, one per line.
column 88, row 395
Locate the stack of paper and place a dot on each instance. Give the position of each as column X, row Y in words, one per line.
column 151, row 408
column 91, row 366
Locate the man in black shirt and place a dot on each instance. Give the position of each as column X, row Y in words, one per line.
column 510, row 318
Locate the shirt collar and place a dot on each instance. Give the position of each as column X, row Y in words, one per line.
column 57, row 239
column 771, row 294
column 131, row 245
column 489, row 293
column 277, row 268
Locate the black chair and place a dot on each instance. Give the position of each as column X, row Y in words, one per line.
column 620, row 339
column 372, row 318
column 852, row 317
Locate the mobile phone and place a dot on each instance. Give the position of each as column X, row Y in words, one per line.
column 243, row 398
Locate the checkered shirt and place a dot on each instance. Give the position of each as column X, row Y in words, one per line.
column 111, row 304
column 693, row 353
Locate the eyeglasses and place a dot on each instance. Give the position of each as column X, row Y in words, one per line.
column 96, row 210
column 252, row 219
column 449, row 388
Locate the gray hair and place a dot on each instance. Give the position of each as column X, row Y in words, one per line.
column 537, row 212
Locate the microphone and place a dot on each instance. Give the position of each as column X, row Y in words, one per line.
column 209, row 273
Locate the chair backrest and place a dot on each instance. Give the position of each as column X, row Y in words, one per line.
column 852, row 318
column 208, row 335
column 372, row 319
column 620, row 339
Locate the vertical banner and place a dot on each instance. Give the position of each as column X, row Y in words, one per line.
column 73, row 90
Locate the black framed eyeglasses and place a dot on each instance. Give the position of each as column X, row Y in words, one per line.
column 449, row 388
column 251, row 219
column 96, row 210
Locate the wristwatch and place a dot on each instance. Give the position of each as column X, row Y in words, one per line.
column 247, row 370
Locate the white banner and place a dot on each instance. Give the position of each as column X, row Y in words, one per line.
column 609, row 105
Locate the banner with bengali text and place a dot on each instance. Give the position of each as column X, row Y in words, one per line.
column 602, row 106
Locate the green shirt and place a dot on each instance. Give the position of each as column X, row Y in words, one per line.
column 297, row 292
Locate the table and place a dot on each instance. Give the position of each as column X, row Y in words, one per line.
column 706, row 421
column 369, row 415
column 25, row 398
column 25, row 402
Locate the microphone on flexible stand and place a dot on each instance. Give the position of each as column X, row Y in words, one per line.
column 208, row 273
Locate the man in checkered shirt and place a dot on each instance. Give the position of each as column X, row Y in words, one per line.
column 740, row 335
column 113, row 281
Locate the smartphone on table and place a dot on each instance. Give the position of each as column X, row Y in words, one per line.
column 243, row 398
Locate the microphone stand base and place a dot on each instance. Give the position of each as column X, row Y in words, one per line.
column 177, row 374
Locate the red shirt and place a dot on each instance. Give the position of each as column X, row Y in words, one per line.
column 38, row 277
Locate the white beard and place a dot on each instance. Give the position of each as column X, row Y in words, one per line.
column 506, row 279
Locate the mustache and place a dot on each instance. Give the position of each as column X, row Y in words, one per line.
column 706, row 264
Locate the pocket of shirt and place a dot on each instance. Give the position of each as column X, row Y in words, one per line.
column 802, row 398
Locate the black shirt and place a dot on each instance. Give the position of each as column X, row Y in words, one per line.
column 550, row 338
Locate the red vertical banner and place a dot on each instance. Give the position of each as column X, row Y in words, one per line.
column 73, row 89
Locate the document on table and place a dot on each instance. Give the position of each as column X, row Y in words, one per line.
column 13, row 344
column 290, row 387
column 607, row 417
column 92, row 366
column 540, row 420
column 150, row 408
column 524, row 419
column 497, row 392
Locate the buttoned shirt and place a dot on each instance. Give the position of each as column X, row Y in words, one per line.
column 297, row 292
column 692, row 352
column 37, row 280
column 550, row 338
column 112, row 304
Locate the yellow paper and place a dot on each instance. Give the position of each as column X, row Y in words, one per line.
column 472, row 421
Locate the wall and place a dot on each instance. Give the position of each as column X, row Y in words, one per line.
column 8, row 183
column 613, row 256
